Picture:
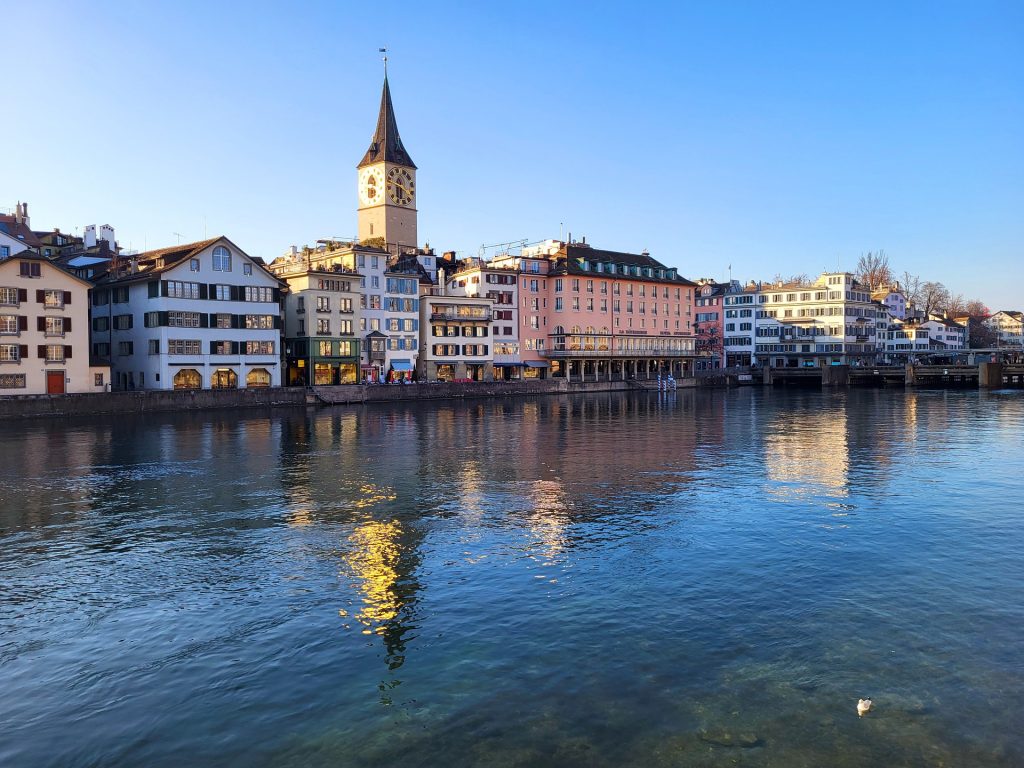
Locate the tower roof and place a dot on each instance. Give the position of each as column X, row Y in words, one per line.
column 387, row 144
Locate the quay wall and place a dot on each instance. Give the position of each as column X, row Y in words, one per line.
column 35, row 406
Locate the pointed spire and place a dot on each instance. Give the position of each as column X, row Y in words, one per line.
column 387, row 144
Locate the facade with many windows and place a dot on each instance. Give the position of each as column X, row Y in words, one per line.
column 44, row 330
column 498, row 282
column 196, row 316
column 830, row 321
column 321, row 326
column 457, row 343
column 1009, row 328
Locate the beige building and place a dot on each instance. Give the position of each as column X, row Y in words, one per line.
column 457, row 342
column 321, row 322
column 44, row 330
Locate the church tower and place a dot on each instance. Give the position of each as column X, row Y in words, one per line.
column 387, row 185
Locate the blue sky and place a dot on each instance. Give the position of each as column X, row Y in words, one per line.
column 776, row 137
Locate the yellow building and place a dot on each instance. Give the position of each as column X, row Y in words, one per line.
column 44, row 330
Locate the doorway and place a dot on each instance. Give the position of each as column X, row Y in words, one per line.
column 55, row 382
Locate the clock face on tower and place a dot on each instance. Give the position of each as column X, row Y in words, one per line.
column 401, row 188
column 371, row 187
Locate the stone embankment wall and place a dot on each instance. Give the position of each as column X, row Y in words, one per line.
column 30, row 406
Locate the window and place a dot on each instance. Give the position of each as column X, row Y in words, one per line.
column 101, row 323
column 97, row 380
column 188, row 378
column 558, row 285
column 221, row 259
column 558, row 304
column 154, row 346
column 10, row 353
column 5, row 251
column 101, row 350
column 222, row 321
column 53, row 326
column 323, row 327
column 259, row 347
column 346, row 328
column 183, row 319
column 259, row 293
column 323, row 303
column 120, row 295
column 326, row 349
column 125, row 348
column 176, row 289
column 53, row 299
column 9, row 324
column 9, row 297
column 54, row 353
column 30, row 269
column 221, row 293
column 183, row 347
column 193, row 265
column 258, row 377
column 123, row 322
column 259, row 321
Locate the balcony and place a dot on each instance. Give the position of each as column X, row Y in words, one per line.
column 483, row 316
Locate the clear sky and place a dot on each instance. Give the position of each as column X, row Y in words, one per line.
column 776, row 137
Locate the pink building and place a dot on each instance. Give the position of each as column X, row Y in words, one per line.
column 587, row 314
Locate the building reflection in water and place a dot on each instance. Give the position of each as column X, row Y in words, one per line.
column 382, row 557
column 807, row 453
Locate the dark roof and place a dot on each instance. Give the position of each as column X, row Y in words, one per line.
column 163, row 259
column 570, row 258
column 387, row 144
column 18, row 230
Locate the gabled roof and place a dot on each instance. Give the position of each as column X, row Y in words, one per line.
column 33, row 256
column 163, row 259
column 387, row 144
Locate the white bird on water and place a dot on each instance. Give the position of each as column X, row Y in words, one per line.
column 863, row 706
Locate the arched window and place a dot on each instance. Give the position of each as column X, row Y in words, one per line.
column 575, row 329
column 188, row 378
column 590, row 329
column 604, row 329
column 257, row 377
column 559, row 330
column 221, row 259
column 224, row 378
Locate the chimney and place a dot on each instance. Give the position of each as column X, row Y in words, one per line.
column 90, row 236
column 17, row 213
column 442, row 286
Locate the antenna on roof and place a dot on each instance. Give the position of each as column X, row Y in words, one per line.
column 385, row 58
column 177, row 235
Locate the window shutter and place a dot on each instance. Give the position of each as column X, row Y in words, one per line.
column 23, row 351
column 236, row 347
column 236, row 321
column 22, row 323
column 154, row 289
column 277, row 294
column 277, row 321
column 203, row 291
column 211, row 321
column 163, row 287
column 67, row 297
column 236, row 293
column 213, row 347
column 41, row 351
column 40, row 296
column 22, row 295
column 67, row 352
column 67, row 325
column 163, row 318
column 204, row 321
column 40, row 323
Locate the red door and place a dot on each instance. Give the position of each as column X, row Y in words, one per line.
column 55, row 382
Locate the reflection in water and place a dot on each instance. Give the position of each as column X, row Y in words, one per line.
column 382, row 563
column 616, row 579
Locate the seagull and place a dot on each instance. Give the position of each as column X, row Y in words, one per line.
column 863, row 706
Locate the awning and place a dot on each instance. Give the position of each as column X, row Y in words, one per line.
column 537, row 364
column 401, row 365
column 366, row 367
column 509, row 365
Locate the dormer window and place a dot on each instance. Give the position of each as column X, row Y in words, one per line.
column 221, row 259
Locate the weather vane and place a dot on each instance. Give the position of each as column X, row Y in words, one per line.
column 385, row 57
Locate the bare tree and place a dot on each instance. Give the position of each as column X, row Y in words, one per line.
column 981, row 336
column 873, row 270
column 934, row 297
column 956, row 306
column 911, row 285
column 977, row 308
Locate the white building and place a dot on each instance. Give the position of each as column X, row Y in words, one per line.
column 44, row 330
column 456, row 338
column 1009, row 327
column 10, row 246
column 498, row 281
column 196, row 316
column 894, row 300
column 831, row 321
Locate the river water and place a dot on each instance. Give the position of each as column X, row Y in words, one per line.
column 699, row 578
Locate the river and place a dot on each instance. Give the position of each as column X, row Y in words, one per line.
column 619, row 579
